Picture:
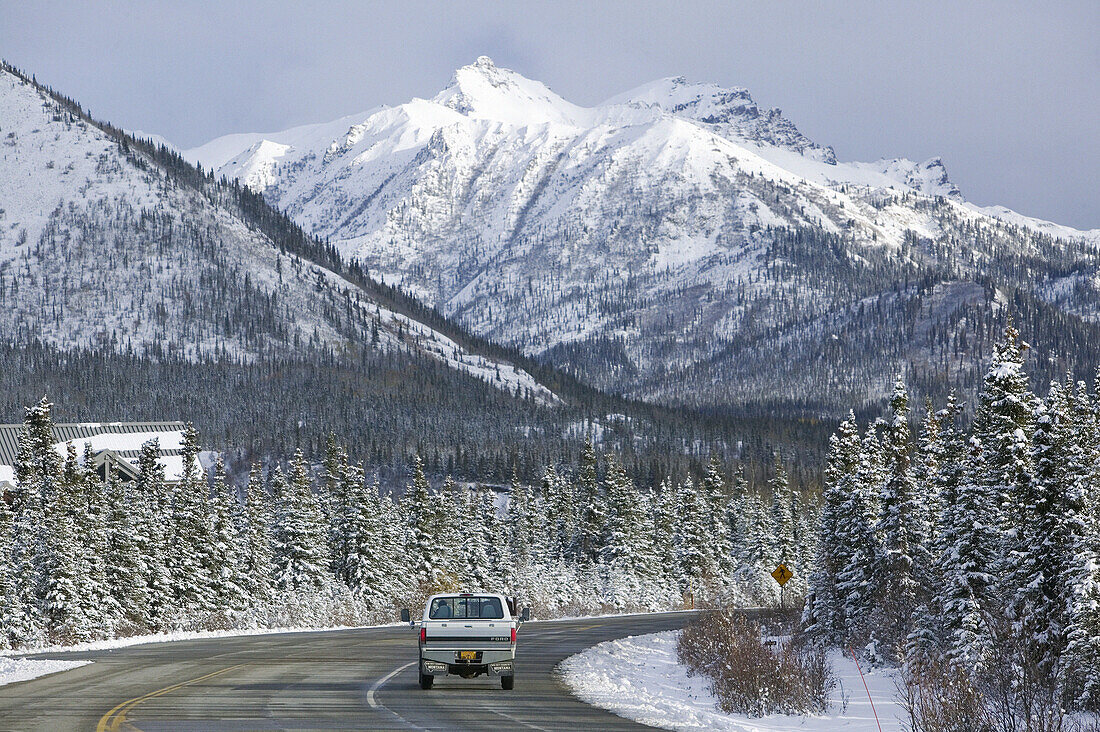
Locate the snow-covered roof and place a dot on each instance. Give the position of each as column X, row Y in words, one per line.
column 124, row 439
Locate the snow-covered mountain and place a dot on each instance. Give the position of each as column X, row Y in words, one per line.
column 104, row 244
column 676, row 242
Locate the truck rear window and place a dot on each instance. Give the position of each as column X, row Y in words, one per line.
column 485, row 608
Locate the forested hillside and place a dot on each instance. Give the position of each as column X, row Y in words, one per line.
column 135, row 286
column 970, row 553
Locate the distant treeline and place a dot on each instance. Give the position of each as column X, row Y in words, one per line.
column 84, row 558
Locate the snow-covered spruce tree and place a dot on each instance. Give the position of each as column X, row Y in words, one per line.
column 480, row 511
column 856, row 525
column 65, row 575
column 971, row 541
column 624, row 537
column 1054, row 608
column 900, row 529
column 228, row 584
column 691, row 539
column 375, row 563
column 998, row 463
column 734, row 515
column 665, row 524
column 447, row 531
column 339, row 506
column 561, row 511
column 1003, row 422
column 760, row 557
column 941, row 469
column 823, row 616
column 190, row 556
column 257, row 558
column 420, row 546
column 713, row 489
column 593, row 512
column 1040, row 543
column 301, row 561
column 154, row 525
column 102, row 610
column 123, row 557
column 782, row 521
column 9, row 599
column 37, row 476
column 1083, row 583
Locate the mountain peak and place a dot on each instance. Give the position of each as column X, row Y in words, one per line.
column 731, row 108
column 484, row 90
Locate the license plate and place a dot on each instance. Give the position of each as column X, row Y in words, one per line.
column 467, row 655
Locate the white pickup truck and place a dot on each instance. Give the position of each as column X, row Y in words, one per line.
column 468, row 634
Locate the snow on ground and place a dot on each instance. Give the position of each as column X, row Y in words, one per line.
column 182, row 635
column 22, row 669
column 639, row 678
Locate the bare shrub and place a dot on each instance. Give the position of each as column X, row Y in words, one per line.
column 750, row 676
column 940, row 698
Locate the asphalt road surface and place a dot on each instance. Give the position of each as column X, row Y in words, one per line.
column 339, row 680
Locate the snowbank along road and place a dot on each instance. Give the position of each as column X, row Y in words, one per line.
column 349, row 680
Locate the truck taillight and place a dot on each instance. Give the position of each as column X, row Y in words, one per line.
column 513, row 635
column 424, row 634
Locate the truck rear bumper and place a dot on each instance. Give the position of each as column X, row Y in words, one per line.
column 491, row 663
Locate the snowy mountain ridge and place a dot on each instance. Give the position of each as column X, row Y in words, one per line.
column 641, row 240
column 98, row 246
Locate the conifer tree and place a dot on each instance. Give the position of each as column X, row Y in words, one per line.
column 691, row 538
column 665, row 522
column 258, row 559
column 856, row 523
column 9, row 599
column 593, row 512
column 37, row 475
column 228, row 583
column 480, row 511
column 782, row 521
column 713, row 489
column 301, row 557
column 971, row 541
column 375, row 567
column 339, row 505
column 519, row 523
column 760, row 557
column 899, row 527
column 190, row 555
column 823, row 617
column 124, row 559
column 420, row 545
column 152, row 507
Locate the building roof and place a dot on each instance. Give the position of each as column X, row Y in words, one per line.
column 9, row 434
column 122, row 439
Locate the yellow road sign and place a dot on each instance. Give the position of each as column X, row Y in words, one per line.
column 782, row 574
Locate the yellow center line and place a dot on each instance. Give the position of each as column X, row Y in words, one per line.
column 112, row 721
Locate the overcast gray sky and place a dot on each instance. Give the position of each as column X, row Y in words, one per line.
column 1008, row 93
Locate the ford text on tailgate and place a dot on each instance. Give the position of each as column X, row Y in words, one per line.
column 468, row 634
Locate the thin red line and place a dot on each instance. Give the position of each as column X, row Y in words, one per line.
column 865, row 688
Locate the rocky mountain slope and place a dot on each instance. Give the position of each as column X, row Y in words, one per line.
column 100, row 245
column 677, row 242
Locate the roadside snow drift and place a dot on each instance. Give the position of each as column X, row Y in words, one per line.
column 640, row 679
column 23, row 669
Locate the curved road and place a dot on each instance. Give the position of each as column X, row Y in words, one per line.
column 337, row 680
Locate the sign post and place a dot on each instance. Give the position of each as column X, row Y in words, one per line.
column 782, row 575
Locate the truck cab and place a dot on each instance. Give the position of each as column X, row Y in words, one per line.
column 468, row 634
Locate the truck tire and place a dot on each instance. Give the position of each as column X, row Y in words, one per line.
column 426, row 681
column 508, row 682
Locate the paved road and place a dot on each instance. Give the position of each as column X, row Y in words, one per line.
column 340, row 680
